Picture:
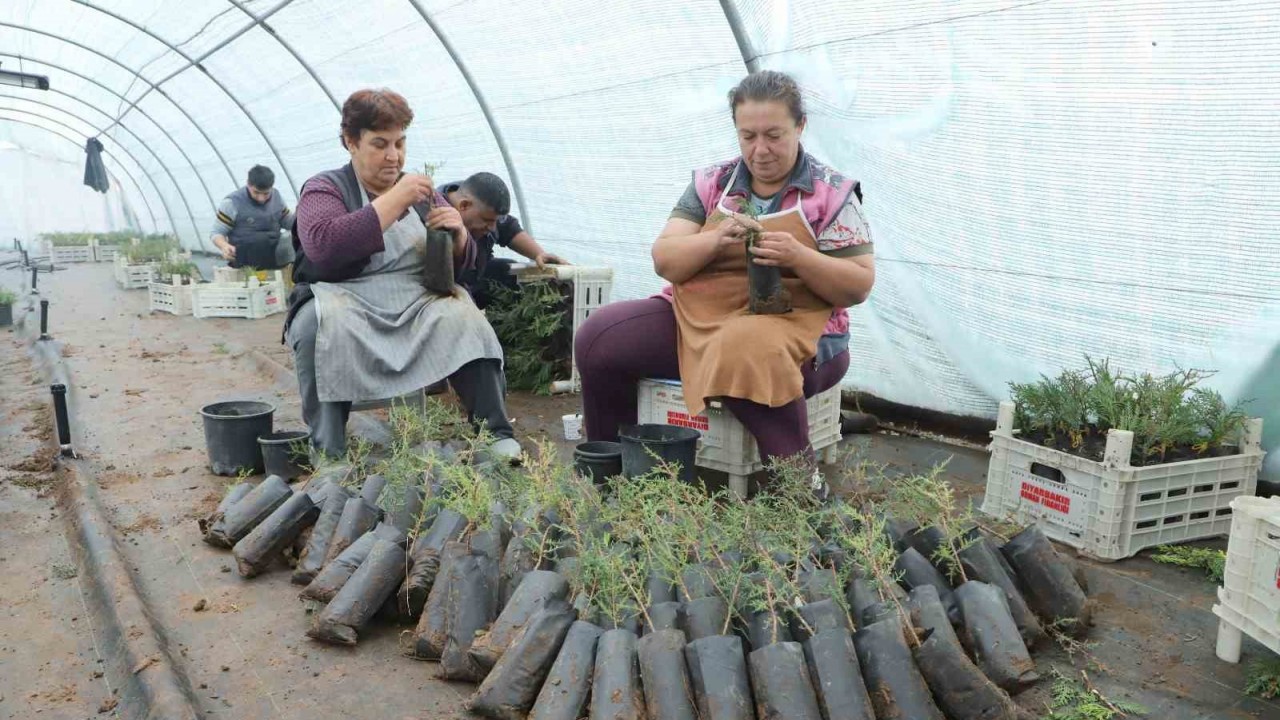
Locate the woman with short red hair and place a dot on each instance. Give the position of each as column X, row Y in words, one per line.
column 361, row 323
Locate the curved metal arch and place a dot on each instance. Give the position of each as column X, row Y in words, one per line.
column 485, row 110
column 143, row 113
column 261, row 21
column 116, row 160
column 142, row 79
column 196, row 63
column 190, row 215
column 746, row 48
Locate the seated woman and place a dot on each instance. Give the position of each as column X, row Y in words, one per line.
column 361, row 323
column 810, row 224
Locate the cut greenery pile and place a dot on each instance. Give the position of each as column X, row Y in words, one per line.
column 1172, row 418
column 533, row 325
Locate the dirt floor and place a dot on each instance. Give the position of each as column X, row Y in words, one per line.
column 141, row 379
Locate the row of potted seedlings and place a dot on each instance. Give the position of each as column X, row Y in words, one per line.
column 648, row 599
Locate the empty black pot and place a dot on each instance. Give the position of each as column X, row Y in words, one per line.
column 231, row 432
column 598, row 460
column 644, row 445
column 285, row 453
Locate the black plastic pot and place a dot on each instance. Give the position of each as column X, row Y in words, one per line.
column 335, row 574
column 929, row 541
column 897, row 530
column 719, row 677
column 231, row 432
column 658, row 588
column 437, row 268
column 256, row 551
column 472, row 605
column 538, row 589
column 927, row 612
column 818, row 617
column 917, row 571
column 982, row 561
column 517, row 562
column 705, row 617
column 897, row 689
column 990, row 630
column 358, row 517
column 837, row 676
column 615, row 683
column 511, row 687
column 696, row 581
column 285, row 453
column 640, row 443
column 244, row 516
column 362, row 595
column 780, row 680
column 1050, row 587
column 313, row 554
column 664, row 616
column 568, row 684
column 668, row 694
column 426, row 559
column 6, row 315
column 433, row 627
column 765, row 628
column 959, row 687
column 768, row 296
column 598, row 460
column 233, row 496
column 818, row 585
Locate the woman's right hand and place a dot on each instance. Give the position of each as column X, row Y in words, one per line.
column 733, row 229
column 412, row 189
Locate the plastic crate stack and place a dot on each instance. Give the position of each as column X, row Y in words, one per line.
column 1249, row 599
column 171, row 297
column 1111, row 510
column 725, row 444
column 133, row 277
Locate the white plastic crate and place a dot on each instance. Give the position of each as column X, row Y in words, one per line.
column 592, row 287
column 726, row 445
column 229, row 276
column 133, row 277
column 104, row 253
column 215, row 300
column 67, row 254
column 1111, row 510
column 1249, row 599
column 171, row 297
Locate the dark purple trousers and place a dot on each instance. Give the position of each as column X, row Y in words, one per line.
column 626, row 342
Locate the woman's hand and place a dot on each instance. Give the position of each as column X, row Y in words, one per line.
column 412, row 189
column 733, row 229
column 448, row 218
column 779, row 249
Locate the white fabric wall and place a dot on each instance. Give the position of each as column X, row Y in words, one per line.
column 1044, row 178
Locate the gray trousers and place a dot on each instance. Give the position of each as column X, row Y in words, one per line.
column 480, row 385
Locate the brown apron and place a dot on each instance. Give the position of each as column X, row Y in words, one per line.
column 724, row 350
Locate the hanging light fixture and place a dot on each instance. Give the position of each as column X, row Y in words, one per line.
column 24, row 80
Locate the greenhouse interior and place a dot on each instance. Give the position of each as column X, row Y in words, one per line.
column 765, row 359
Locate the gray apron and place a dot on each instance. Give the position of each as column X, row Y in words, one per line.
column 382, row 335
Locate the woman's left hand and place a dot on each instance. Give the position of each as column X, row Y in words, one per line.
column 447, row 218
column 778, row 249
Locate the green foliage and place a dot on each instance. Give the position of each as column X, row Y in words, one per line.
column 7, row 296
column 1073, row 699
column 1263, row 679
column 182, row 268
column 1212, row 562
column 118, row 237
column 527, row 321
column 152, row 249
column 1165, row 413
column 929, row 500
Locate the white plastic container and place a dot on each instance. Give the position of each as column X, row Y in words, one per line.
column 171, row 297
column 592, row 287
column 133, row 277
column 1111, row 510
column 572, row 426
column 217, row 300
column 1249, row 599
column 66, row 255
column 726, row 445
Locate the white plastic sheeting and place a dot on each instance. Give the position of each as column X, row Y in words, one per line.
column 1044, row 178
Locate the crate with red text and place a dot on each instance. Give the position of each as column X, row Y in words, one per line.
column 1111, row 510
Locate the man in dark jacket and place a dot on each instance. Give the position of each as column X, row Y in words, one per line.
column 485, row 205
column 247, row 226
